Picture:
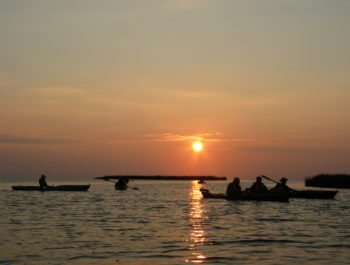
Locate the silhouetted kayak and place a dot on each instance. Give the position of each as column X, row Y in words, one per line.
column 248, row 196
column 299, row 194
column 208, row 195
column 53, row 188
column 121, row 187
column 313, row 194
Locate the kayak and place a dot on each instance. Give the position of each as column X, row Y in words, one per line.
column 298, row 194
column 53, row 188
column 313, row 194
column 248, row 196
column 121, row 187
column 208, row 195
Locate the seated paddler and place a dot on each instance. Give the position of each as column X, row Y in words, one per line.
column 122, row 183
column 258, row 186
column 42, row 182
column 282, row 186
column 234, row 187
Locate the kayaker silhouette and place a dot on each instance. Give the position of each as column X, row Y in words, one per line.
column 258, row 186
column 42, row 182
column 234, row 187
column 282, row 186
column 121, row 184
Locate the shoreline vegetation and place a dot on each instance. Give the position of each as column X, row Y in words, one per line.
column 159, row 177
column 338, row 181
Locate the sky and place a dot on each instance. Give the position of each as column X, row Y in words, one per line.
column 94, row 88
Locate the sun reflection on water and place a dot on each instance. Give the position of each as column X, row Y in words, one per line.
column 197, row 216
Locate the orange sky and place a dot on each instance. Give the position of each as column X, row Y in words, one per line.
column 123, row 87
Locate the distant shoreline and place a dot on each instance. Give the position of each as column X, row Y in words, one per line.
column 159, row 177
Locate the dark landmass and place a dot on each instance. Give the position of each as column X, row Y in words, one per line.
column 338, row 181
column 207, row 178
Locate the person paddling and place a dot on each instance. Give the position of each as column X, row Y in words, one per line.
column 258, row 186
column 282, row 186
column 234, row 187
column 121, row 184
column 42, row 182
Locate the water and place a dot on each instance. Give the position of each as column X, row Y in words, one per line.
column 169, row 223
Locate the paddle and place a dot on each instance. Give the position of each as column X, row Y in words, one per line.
column 134, row 188
column 269, row 179
column 265, row 177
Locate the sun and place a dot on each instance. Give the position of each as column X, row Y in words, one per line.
column 197, row 147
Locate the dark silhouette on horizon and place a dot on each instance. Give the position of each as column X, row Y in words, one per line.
column 159, row 177
column 43, row 186
column 338, row 181
column 42, row 182
column 121, row 184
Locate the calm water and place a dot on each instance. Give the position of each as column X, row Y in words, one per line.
column 169, row 223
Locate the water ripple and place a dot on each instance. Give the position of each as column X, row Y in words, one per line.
column 169, row 223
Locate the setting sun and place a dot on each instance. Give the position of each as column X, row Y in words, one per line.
column 197, row 147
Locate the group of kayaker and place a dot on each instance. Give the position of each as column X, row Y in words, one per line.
column 257, row 191
column 233, row 188
column 257, row 187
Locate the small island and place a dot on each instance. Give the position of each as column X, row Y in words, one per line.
column 338, row 181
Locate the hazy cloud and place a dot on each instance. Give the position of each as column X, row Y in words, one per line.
column 60, row 91
column 186, row 4
column 204, row 137
column 13, row 139
column 6, row 80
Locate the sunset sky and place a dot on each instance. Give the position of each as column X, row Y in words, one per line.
column 93, row 88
